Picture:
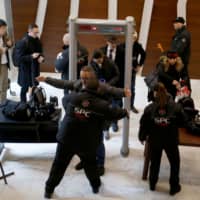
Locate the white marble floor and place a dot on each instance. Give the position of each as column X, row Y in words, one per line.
column 122, row 180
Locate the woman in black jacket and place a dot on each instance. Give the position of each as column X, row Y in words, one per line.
column 159, row 123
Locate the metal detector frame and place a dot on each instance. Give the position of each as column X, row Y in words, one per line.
column 129, row 26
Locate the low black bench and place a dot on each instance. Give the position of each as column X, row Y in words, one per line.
column 31, row 131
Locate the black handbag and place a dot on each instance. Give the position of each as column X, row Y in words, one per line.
column 151, row 79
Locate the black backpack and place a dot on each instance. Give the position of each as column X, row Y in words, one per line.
column 40, row 108
column 188, row 106
column 16, row 51
column 151, row 79
column 37, row 97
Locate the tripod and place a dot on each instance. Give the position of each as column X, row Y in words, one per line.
column 1, row 167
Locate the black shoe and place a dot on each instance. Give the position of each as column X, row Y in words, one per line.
column 79, row 166
column 115, row 127
column 152, row 187
column 175, row 190
column 95, row 190
column 134, row 110
column 96, row 185
column 101, row 170
column 48, row 195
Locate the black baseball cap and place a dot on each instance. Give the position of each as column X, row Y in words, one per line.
column 179, row 20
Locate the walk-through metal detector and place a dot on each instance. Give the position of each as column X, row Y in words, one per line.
column 105, row 27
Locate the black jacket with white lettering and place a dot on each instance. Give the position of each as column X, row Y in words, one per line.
column 82, row 123
column 161, row 125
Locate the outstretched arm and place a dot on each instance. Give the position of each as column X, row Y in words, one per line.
column 105, row 89
column 58, row 83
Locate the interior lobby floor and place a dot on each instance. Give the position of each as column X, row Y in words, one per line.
column 122, row 180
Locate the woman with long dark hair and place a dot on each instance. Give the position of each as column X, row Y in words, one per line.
column 159, row 124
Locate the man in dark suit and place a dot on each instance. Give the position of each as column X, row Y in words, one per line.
column 138, row 58
column 115, row 52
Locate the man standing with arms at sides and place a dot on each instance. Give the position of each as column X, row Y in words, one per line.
column 29, row 54
column 181, row 43
column 5, row 43
column 114, row 52
column 138, row 58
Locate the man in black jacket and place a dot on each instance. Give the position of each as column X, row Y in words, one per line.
column 181, row 43
column 106, row 70
column 29, row 55
column 138, row 58
column 62, row 60
column 104, row 90
column 115, row 52
column 80, row 131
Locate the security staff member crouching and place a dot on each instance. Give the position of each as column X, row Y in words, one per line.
column 160, row 122
column 79, row 133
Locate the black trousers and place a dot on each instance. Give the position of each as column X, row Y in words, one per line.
column 173, row 156
column 23, row 92
column 133, row 79
column 61, row 161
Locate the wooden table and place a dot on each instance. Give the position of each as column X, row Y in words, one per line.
column 185, row 138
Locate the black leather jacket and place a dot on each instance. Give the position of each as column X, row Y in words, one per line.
column 181, row 43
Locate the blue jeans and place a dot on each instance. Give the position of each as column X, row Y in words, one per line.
column 116, row 103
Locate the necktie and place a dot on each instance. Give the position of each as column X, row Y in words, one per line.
column 110, row 54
